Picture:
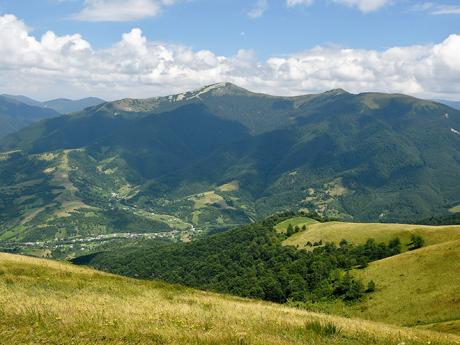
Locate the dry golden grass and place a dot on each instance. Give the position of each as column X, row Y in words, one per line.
column 417, row 288
column 296, row 221
column 358, row 233
column 455, row 209
column 229, row 187
column 47, row 302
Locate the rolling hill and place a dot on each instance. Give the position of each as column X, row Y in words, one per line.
column 416, row 288
column 222, row 156
column 15, row 115
column 46, row 301
column 359, row 233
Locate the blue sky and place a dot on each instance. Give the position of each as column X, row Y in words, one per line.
column 260, row 32
column 223, row 26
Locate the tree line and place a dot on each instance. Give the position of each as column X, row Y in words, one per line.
column 250, row 261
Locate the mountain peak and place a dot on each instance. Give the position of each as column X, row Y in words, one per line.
column 335, row 92
column 220, row 89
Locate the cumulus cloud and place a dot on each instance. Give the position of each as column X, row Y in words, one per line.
column 120, row 10
column 365, row 5
column 55, row 66
column 437, row 9
column 291, row 3
column 259, row 9
column 446, row 9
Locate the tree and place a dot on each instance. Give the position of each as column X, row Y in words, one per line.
column 362, row 261
column 395, row 246
column 416, row 242
column 290, row 230
column 349, row 289
column 370, row 286
column 343, row 244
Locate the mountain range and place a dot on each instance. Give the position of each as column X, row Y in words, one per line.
column 453, row 104
column 17, row 111
column 61, row 105
column 222, row 155
column 15, row 115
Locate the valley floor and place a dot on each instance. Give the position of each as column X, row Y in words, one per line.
column 49, row 302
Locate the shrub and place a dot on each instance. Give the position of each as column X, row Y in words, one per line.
column 370, row 286
column 416, row 242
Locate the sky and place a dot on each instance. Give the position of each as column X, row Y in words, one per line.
column 143, row 48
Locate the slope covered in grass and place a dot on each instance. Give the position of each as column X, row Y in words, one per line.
column 417, row 288
column 46, row 302
column 296, row 221
column 359, row 233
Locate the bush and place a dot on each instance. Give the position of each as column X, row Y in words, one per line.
column 370, row 286
column 416, row 242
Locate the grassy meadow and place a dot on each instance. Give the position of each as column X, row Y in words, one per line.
column 419, row 288
column 49, row 302
column 359, row 233
column 296, row 221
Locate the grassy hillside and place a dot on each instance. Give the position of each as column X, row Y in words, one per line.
column 418, row 288
column 359, row 233
column 47, row 302
column 296, row 221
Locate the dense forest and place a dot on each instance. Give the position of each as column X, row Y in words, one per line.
column 451, row 219
column 250, row 261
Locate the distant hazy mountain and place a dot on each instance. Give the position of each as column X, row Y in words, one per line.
column 15, row 115
column 453, row 104
column 61, row 105
column 24, row 99
column 222, row 155
column 65, row 106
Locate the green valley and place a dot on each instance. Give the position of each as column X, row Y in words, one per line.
column 222, row 156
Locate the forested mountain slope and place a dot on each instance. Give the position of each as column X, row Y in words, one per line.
column 222, row 155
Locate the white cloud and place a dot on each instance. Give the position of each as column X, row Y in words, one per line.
column 120, row 10
column 291, row 3
column 446, row 9
column 259, row 9
column 365, row 5
column 437, row 9
column 68, row 66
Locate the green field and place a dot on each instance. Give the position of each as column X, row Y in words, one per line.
column 296, row 221
column 359, row 233
column 48, row 302
column 417, row 288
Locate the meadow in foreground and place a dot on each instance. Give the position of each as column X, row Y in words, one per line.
column 48, row 302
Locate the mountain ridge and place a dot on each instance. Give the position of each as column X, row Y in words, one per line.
column 367, row 157
column 60, row 105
